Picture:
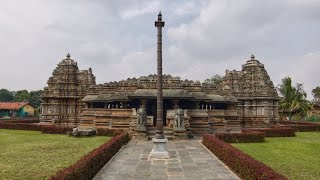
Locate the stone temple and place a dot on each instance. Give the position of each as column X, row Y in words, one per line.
column 245, row 99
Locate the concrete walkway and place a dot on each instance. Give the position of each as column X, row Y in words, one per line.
column 189, row 160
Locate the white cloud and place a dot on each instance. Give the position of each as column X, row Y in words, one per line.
column 117, row 38
column 140, row 8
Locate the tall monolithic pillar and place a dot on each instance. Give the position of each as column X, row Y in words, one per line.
column 159, row 150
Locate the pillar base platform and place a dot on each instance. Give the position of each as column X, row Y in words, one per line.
column 159, row 150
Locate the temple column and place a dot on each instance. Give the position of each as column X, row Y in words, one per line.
column 175, row 104
column 123, row 104
column 197, row 105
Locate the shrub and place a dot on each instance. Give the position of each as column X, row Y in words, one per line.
column 242, row 164
column 304, row 128
column 108, row 132
column 48, row 129
column 88, row 166
column 313, row 118
column 297, row 123
column 277, row 132
column 116, row 133
column 20, row 126
column 34, row 120
column 243, row 137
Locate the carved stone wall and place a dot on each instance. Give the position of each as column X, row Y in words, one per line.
column 61, row 99
column 150, row 82
column 107, row 118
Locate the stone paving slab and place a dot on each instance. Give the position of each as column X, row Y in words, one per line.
column 190, row 160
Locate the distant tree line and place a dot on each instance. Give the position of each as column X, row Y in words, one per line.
column 33, row 97
column 316, row 95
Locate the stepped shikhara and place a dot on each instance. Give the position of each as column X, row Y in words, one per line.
column 258, row 99
column 245, row 99
column 61, row 99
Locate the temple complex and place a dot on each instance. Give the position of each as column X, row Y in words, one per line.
column 245, row 99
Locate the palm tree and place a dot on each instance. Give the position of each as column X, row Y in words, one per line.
column 293, row 100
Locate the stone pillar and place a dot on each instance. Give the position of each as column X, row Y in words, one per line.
column 123, row 105
column 197, row 105
column 159, row 150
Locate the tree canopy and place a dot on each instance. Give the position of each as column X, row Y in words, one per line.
column 22, row 95
column 316, row 94
column 216, row 80
column 6, row 95
column 293, row 100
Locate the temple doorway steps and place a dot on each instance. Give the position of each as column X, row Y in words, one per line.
column 168, row 132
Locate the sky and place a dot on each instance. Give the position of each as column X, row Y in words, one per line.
column 117, row 38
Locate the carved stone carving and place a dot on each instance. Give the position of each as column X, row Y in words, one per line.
column 179, row 124
column 141, row 119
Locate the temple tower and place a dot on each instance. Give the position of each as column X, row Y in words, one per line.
column 257, row 96
column 61, row 99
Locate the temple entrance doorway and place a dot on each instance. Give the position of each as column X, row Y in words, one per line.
column 152, row 110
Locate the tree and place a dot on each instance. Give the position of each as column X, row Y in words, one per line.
column 22, row 95
column 316, row 95
column 35, row 99
column 293, row 100
column 6, row 95
column 215, row 80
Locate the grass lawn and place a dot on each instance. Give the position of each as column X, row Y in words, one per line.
column 295, row 157
column 33, row 155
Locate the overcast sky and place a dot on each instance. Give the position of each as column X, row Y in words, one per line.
column 118, row 38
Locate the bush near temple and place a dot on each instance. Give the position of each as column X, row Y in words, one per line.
column 88, row 166
column 108, row 132
column 242, row 164
column 20, row 126
column 53, row 129
column 302, row 126
column 276, row 132
column 297, row 123
column 28, row 120
column 47, row 129
column 243, row 137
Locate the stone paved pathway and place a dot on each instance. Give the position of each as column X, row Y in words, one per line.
column 189, row 160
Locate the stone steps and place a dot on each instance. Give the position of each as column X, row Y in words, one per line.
column 168, row 132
